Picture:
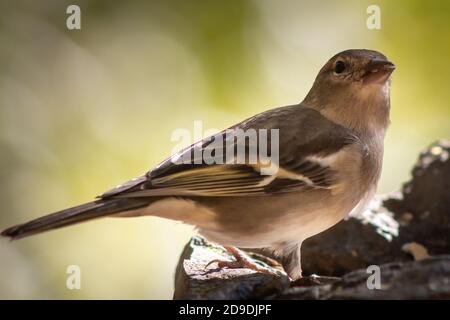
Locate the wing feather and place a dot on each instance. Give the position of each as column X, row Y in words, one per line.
column 301, row 149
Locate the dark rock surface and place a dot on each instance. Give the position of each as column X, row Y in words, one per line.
column 406, row 233
column 194, row 281
column 425, row 279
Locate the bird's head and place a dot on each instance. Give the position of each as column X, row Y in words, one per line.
column 354, row 87
column 357, row 67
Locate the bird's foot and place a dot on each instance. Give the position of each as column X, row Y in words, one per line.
column 269, row 261
column 242, row 261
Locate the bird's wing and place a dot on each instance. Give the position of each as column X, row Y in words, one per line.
column 305, row 139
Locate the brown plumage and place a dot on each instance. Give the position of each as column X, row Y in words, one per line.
column 330, row 157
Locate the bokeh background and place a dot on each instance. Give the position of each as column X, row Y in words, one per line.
column 84, row 110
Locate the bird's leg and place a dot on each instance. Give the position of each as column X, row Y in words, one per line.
column 242, row 261
column 269, row 261
column 291, row 261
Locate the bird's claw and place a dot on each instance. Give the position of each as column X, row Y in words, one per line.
column 241, row 262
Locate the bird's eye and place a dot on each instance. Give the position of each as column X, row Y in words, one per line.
column 339, row 67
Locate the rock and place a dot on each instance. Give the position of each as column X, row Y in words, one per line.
column 194, row 281
column 426, row 198
column 426, row 279
column 418, row 251
column 406, row 233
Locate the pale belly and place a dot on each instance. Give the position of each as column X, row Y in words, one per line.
column 266, row 222
column 295, row 224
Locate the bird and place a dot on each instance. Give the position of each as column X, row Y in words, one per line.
column 329, row 154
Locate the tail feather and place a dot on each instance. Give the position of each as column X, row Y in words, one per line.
column 84, row 212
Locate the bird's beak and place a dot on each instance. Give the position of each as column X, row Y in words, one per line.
column 378, row 71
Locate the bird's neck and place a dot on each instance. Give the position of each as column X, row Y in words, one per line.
column 364, row 110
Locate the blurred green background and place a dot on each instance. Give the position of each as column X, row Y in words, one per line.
column 84, row 110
